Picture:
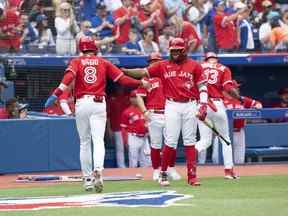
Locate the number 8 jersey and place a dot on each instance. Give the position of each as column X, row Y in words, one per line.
column 219, row 78
column 91, row 73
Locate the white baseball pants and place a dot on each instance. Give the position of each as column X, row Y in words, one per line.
column 91, row 123
column 239, row 146
column 139, row 151
column 220, row 121
column 156, row 130
column 180, row 117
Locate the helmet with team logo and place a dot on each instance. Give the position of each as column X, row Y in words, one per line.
column 87, row 44
column 178, row 50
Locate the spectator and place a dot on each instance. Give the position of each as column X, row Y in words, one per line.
column 167, row 35
column 45, row 36
column 132, row 47
column 285, row 17
column 23, row 110
column 245, row 29
column 85, row 27
column 282, row 5
column 11, row 110
column 67, row 29
column 279, row 35
column 174, row 7
column 3, row 85
column 122, row 17
column 29, row 34
column 103, row 22
column 37, row 9
column 10, row 30
column 147, row 45
column 113, row 5
column 225, row 28
column 283, row 103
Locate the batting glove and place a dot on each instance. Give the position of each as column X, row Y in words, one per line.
column 50, row 101
column 202, row 111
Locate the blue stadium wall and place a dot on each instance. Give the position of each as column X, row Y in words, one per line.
column 52, row 144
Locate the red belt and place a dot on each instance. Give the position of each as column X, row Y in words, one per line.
column 185, row 100
column 157, row 111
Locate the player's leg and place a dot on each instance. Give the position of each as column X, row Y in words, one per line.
column 220, row 120
column 239, row 146
column 134, row 144
column 171, row 136
column 189, row 130
column 120, row 154
column 98, row 126
column 155, row 128
column 215, row 150
column 82, row 113
column 144, row 154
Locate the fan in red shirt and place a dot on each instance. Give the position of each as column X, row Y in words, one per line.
column 10, row 29
column 225, row 27
column 238, row 124
column 117, row 102
column 182, row 80
column 122, row 17
column 152, row 103
column 134, row 127
column 89, row 73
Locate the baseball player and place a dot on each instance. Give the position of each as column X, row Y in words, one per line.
column 238, row 128
column 183, row 82
column 133, row 123
column 153, row 109
column 219, row 79
column 90, row 74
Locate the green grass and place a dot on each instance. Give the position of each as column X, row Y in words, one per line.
column 250, row 196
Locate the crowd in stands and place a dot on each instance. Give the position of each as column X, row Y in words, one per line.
column 144, row 26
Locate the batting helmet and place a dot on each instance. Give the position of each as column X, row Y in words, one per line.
column 177, row 44
column 210, row 55
column 155, row 56
column 87, row 44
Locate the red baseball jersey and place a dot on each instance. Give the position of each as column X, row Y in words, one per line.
column 218, row 76
column 91, row 73
column 67, row 97
column 154, row 97
column 116, row 104
column 133, row 120
column 8, row 26
column 226, row 35
column 3, row 113
column 179, row 80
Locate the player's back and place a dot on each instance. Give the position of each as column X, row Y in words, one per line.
column 217, row 75
column 91, row 75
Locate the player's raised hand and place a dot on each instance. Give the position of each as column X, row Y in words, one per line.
column 50, row 101
column 202, row 111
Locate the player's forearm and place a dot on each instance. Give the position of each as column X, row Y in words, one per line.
column 66, row 81
column 129, row 82
column 141, row 104
column 203, row 93
column 233, row 93
column 136, row 72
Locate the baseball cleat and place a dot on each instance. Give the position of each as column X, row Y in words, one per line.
column 156, row 174
column 194, row 181
column 98, row 182
column 230, row 174
column 88, row 183
column 173, row 174
column 163, row 179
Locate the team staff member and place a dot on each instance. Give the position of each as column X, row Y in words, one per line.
column 153, row 109
column 90, row 74
column 182, row 79
column 238, row 126
column 133, row 124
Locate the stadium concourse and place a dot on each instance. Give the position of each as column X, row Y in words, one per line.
column 9, row 180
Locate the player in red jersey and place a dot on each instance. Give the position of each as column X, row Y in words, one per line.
column 182, row 79
column 133, row 124
column 238, row 124
column 152, row 103
column 219, row 80
column 90, row 73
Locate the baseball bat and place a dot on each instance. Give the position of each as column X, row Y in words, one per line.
column 215, row 131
